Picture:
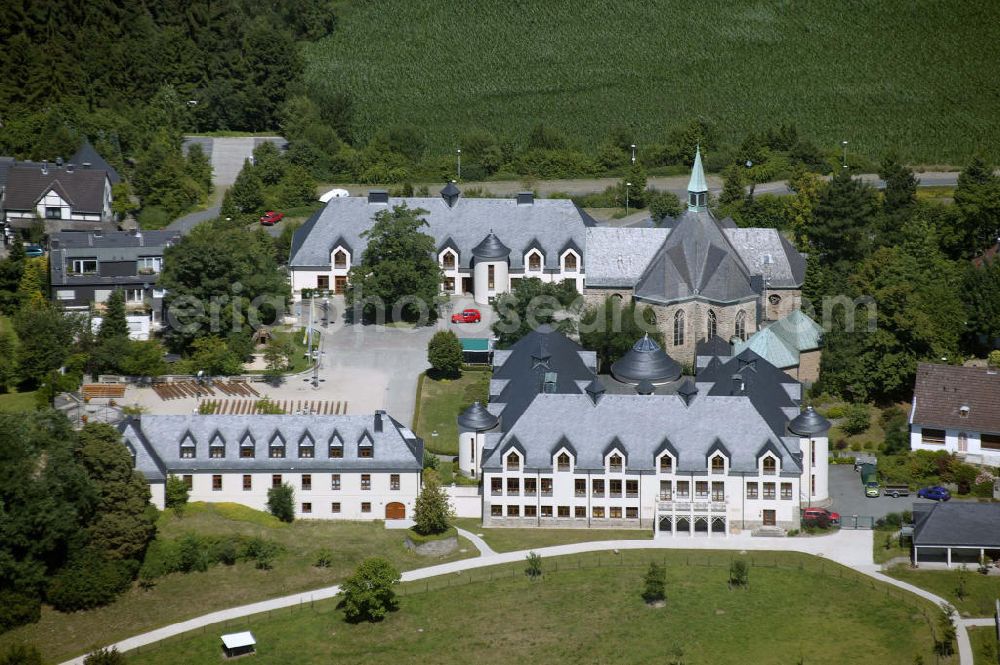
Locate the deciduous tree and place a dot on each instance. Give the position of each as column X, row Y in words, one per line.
column 281, row 502
column 444, row 353
column 368, row 594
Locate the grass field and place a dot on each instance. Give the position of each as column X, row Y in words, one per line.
column 509, row 540
column 182, row 596
column 10, row 402
column 882, row 75
column 984, row 645
column 981, row 591
column 439, row 403
column 595, row 615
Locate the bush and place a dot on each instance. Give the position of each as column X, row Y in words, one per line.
column 368, row 594
column 857, row 419
column 261, row 551
column 153, row 217
column 90, row 580
column 444, row 353
column 324, row 558
column 655, row 583
column 534, row 567
column 21, row 654
column 193, row 554
column 834, row 412
column 105, row 657
column 432, row 513
column 17, row 609
column 176, row 493
column 281, row 502
column 739, row 573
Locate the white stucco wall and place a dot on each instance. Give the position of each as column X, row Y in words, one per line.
column 974, row 452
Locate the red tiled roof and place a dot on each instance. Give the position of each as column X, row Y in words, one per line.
column 942, row 390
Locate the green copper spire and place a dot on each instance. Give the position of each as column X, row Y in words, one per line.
column 697, row 187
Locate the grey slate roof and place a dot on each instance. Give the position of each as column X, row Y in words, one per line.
column 617, row 256
column 644, row 426
column 646, row 361
column 773, row 393
column 956, row 524
column 522, row 371
column 108, row 246
column 478, row 418
column 492, row 248
column 5, row 164
column 808, row 423
column 395, row 448
column 550, row 222
column 87, row 154
column 696, row 260
column 788, row 269
column 26, row 184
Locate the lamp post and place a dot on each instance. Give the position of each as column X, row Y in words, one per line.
column 633, row 154
column 628, row 186
column 458, row 154
column 844, row 143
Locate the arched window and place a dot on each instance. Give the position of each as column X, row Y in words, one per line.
column 615, row 462
column 340, row 259
column 562, row 462
column 713, row 325
column 770, row 466
column 534, row 261
column 448, row 261
column 718, row 464
column 679, row 328
column 741, row 325
column 570, row 262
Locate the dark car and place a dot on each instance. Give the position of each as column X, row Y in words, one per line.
column 820, row 516
column 935, row 493
column 34, row 251
column 270, row 218
column 467, row 316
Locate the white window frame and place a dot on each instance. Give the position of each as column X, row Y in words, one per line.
column 79, row 266
column 541, row 261
column 579, row 262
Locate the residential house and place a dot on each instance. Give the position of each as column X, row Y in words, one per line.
column 352, row 467
column 65, row 196
column 85, row 267
column 957, row 409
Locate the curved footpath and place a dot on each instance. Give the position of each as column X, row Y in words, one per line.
column 849, row 548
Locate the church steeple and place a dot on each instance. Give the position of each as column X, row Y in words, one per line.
column 697, row 187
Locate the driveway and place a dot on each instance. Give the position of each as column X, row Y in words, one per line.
column 849, row 499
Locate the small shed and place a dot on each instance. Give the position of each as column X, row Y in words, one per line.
column 238, row 644
column 477, row 350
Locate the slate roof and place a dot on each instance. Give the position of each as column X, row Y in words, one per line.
column 956, row 524
column 477, row 418
column 788, row 269
column 942, row 390
column 550, row 222
column 696, row 261
column 519, row 375
column 808, row 422
column 616, row 256
column 716, row 346
column 107, row 246
column 492, row 248
column 644, row 425
column 646, row 362
column 774, row 394
column 395, row 448
column 87, row 154
column 5, row 164
column 26, row 184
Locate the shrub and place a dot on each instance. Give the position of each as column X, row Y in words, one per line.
column 261, row 551
column 368, row 594
column 444, row 353
column 225, row 552
column 739, row 573
column 17, row 609
column 534, row 567
column 281, row 502
column 193, row 554
column 176, row 493
column 432, row 513
column 834, row 412
column 324, row 558
column 153, row 217
column 856, row 419
column 21, row 654
column 90, row 580
column 105, row 657
column 655, row 583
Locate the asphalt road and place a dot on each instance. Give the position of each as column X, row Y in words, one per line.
column 849, row 499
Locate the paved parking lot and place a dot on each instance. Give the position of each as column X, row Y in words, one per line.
column 849, row 498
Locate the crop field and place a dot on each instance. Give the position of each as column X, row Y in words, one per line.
column 916, row 76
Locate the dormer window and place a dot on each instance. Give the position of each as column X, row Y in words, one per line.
column 719, row 464
column 570, row 262
column 448, row 260
column 366, row 450
column 187, row 450
column 307, row 448
column 340, row 259
column 666, row 464
column 534, row 261
column 247, row 447
column 615, row 463
column 336, row 450
column 217, row 449
column 513, row 461
column 562, row 462
column 277, row 448
column 769, row 466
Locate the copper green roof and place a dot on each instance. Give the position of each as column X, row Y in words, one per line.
column 697, row 182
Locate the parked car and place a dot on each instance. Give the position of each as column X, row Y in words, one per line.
column 819, row 515
column 467, row 316
column 935, row 493
column 896, row 491
column 34, row 251
column 270, row 218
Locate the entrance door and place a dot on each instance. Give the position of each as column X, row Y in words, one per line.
column 769, row 518
column 466, row 285
column 395, row 511
column 963, row 442
column 339, row 284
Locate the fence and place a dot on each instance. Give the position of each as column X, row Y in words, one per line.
column 857, row 522
column 637, row 560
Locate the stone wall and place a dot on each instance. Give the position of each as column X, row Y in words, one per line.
column 808, row 370
column 696, row 325
column 788, row 300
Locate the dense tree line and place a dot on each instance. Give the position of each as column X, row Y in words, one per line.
column 76, row 518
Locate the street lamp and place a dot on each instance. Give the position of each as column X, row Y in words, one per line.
column 459, row 158
column 633, row 154
column 628, row 186
column 844, row 143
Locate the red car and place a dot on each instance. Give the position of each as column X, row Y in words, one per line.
column 467, row 316
column 271, row 217
column 820, row 516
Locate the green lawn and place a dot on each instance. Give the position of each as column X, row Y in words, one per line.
column 10, row 402
column 984, row 645
column 879, row 550
column 981, row 590
column 439, row 401
column 646, row 67
column 182, row 596
column 821, row 613
column 509, row 540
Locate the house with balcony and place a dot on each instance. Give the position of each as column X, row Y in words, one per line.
column 85, row 267
column 350, row 467
column 559, row 446
column 957, row 409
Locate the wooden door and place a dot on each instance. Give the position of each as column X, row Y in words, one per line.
column 339, row 284
column 395, row 511
column 769, row 519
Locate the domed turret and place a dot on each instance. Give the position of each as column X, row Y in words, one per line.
column 477, row 418
column 646, row 361
column 491, row 249
column 473, row 423
column 809, row 423
column 490, row 273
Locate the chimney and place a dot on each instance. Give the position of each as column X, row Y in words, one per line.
column 59, row 162
column 45, row 167
column 378, row 196
column 378, row 420
column 70, row 167
column 525, row 198
column 738, row 384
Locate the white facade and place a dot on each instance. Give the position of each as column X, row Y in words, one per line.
column 51, row 206
column 966, row 444
column 345, row 495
